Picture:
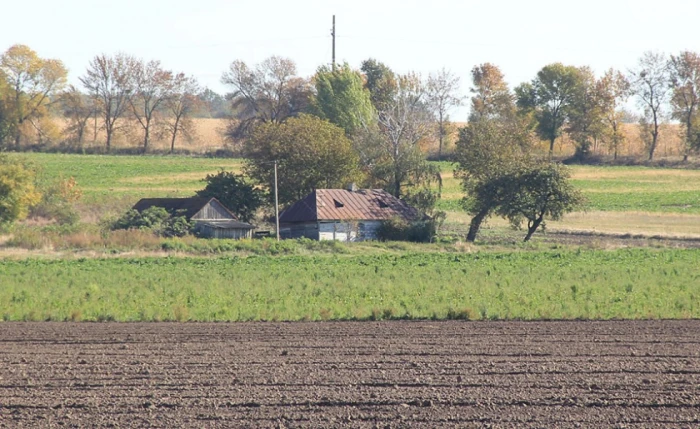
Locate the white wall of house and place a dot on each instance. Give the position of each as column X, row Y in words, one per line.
column 333, row 230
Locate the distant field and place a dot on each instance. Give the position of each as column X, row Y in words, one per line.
column 561, row 284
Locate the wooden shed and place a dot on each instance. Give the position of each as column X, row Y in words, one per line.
column 212, row 219
column 343, row 214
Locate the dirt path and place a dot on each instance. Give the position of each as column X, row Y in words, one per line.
column 384, row 374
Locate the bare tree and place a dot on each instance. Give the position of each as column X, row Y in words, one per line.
column 78, row 108
column 152, row 87
column 442, row 95
column 270, row 92
column 650, row 84
column 110, row 81
column 182, row 101
column 685, row 86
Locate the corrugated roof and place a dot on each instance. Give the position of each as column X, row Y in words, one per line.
column 190, row 206
column 226, row 224
column 343, row 204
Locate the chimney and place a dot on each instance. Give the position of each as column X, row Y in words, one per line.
column 352, row 187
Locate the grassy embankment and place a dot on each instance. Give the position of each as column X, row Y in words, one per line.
column 559, row 284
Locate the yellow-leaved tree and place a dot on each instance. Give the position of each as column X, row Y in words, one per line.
column 17, row 190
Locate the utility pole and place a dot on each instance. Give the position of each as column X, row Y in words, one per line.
column 277, row 207
column 333, row 34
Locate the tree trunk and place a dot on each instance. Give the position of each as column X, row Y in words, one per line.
column 145, row 139
column 551, row 147
column 475, row 224
column 175, row 128
column 532, row 227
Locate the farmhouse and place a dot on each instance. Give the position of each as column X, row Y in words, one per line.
column 343, row 214
column 212, row 219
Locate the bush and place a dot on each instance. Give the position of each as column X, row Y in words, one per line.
column 397, row 229
column 156, row 220
column 57, row 202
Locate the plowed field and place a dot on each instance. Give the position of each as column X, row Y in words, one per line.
column 641, row 374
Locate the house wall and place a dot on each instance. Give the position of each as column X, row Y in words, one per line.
column 330, row 230
column 233, row 233
column 212, row 211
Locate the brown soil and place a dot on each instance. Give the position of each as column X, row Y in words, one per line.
column 643, row 374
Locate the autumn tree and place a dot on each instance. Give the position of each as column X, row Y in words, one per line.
column 685, row 96
column 380, row 81
column 585, row 116
column 442, row 91
column 18, row 192
column 152, row 86
column 110, row 81
column 270, row 92
column 341, row 98
column 491, row 98
column 549, row 97
column 310, row 152
column 212, row 105
column 650, row 83
column 32, row 83
column 390, row 151
column 77, row 108
column 180, row 105
column 613, row 91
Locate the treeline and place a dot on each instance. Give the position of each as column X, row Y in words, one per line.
column 120, row 91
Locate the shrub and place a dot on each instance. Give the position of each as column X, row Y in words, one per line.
column 397, row 229
column 57, row 202
column 156, row 220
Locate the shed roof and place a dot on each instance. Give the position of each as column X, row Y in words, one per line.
column 190, row 206
column 226, row 224
column 343, row 204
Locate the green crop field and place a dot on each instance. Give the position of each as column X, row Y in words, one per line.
column 607, row 188
column 566, row 284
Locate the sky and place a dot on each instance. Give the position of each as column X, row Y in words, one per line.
column 202, row 38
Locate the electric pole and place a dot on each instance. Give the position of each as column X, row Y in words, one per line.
column 277, row 206
column 333, row 34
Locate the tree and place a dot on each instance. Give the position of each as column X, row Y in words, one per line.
column 110, row 81
column 270, row 92
column 685, row 97
column 311, row 153
column 152, row 87
column 180, row 105
column 212, row 105
column 650, row 84
column 487, row 150
column 491, row 97
column 5, row 121
column 442, row 88
column 549, row 97
column 585, row 117
column 157, row 220
column 381, row 83
column 390, row 151
column 17, row 190
column 77, row 109
column 341, row 98
column 32, row 82
column 613, row 90
column 234, row 192
column 535, row 193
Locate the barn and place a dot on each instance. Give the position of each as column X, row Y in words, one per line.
column 343, row 214
column 212, row 219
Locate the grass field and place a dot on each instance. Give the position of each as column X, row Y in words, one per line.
column 630, row 284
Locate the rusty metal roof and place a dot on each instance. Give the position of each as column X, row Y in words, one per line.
column 342, row 204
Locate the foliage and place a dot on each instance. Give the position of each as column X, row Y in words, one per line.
column 585, row 114
column 537, row 192
column 398, row 229
column 311, row 153
column 58, row 200
column 156, row 220
column 614, row 90
column 32, row 82
column 268, row 93
column 560, row 284
column 18, row 192
column 341, row 98
column 685, row 97
column 234, row 192
column 549, row 97
column 491, row 97
column 381, row 82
